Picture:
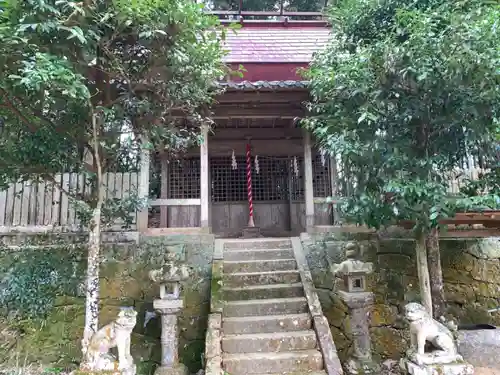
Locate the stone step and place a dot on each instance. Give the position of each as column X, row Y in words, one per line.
column 259, row 265
column 239, row 279
column 259, row 254
column 263, row 291
column 265, row 363
column 266, row 324
column 261, row 243
column 269, row 342
column 275, row 306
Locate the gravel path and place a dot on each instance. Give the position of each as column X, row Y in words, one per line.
column 481, row 348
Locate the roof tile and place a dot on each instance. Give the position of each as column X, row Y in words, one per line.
column 270, row 85
column 275, row 45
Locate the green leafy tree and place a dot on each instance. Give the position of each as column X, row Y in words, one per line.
column 75, row 75
column 404, row 91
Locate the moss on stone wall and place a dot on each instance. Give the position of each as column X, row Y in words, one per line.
column 471, row 271
column 54, row 337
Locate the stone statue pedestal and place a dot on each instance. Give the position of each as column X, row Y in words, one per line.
column 168, row 310
column 179, row 369
column 456, row 368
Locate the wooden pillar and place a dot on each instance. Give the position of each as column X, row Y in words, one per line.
column 143, row 188
column 333, row 181
column 164, row 190
column 204, row 174
column 308, row 174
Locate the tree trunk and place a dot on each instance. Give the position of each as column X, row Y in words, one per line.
column 94, row 246
column 435, row 273
column 423, row 272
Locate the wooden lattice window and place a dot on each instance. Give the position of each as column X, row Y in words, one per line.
column 322, row 180
column 272, row 182
column 228, row 184
column 184, row 178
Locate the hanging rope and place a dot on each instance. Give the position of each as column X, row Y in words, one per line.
column 249, row 188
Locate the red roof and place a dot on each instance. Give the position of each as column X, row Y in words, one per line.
column 275, row 44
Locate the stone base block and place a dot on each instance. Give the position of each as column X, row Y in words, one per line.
column 361, row 367
column 251, row 232
column 179, row 369
column 106, row 365
column 85, row 371
column 457, row 368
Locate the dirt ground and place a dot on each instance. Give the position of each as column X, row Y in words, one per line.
column 486, row 371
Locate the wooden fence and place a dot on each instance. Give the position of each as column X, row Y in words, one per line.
column 459, row 178
column 41, row 204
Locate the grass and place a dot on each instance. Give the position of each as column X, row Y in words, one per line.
column 22, row 367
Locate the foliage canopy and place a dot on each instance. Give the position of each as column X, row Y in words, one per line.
column 136, row 65
column 405, row 91
column 74, row 76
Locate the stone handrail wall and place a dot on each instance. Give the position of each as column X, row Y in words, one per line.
column 213, row 340
column 320, row 323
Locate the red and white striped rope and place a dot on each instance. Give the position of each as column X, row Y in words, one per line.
column 249, row 186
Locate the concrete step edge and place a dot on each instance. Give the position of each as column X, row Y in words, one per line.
column 261, row 273
column 271, row 335
column 262, row 286
column 237, row 251
column 272, row 355
column 265, row 317
column 259, row 261
column 265, row 301
column 261, row 239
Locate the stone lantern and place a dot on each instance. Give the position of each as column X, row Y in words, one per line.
column 169, row 305
column 353, row 292
column 352, row 271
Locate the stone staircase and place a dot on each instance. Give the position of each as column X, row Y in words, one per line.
column 266, row 322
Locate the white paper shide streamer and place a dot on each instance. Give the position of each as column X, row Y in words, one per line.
column 234, row 164
column 323, row 157
column 256, row 162
column 295, row 166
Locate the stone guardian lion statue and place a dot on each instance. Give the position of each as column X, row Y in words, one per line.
column 423, row 329
column 115, row 334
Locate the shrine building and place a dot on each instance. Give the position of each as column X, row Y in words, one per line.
column 255, row 130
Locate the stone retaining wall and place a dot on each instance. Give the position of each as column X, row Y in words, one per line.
column 55, row 339
column 471, row 270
